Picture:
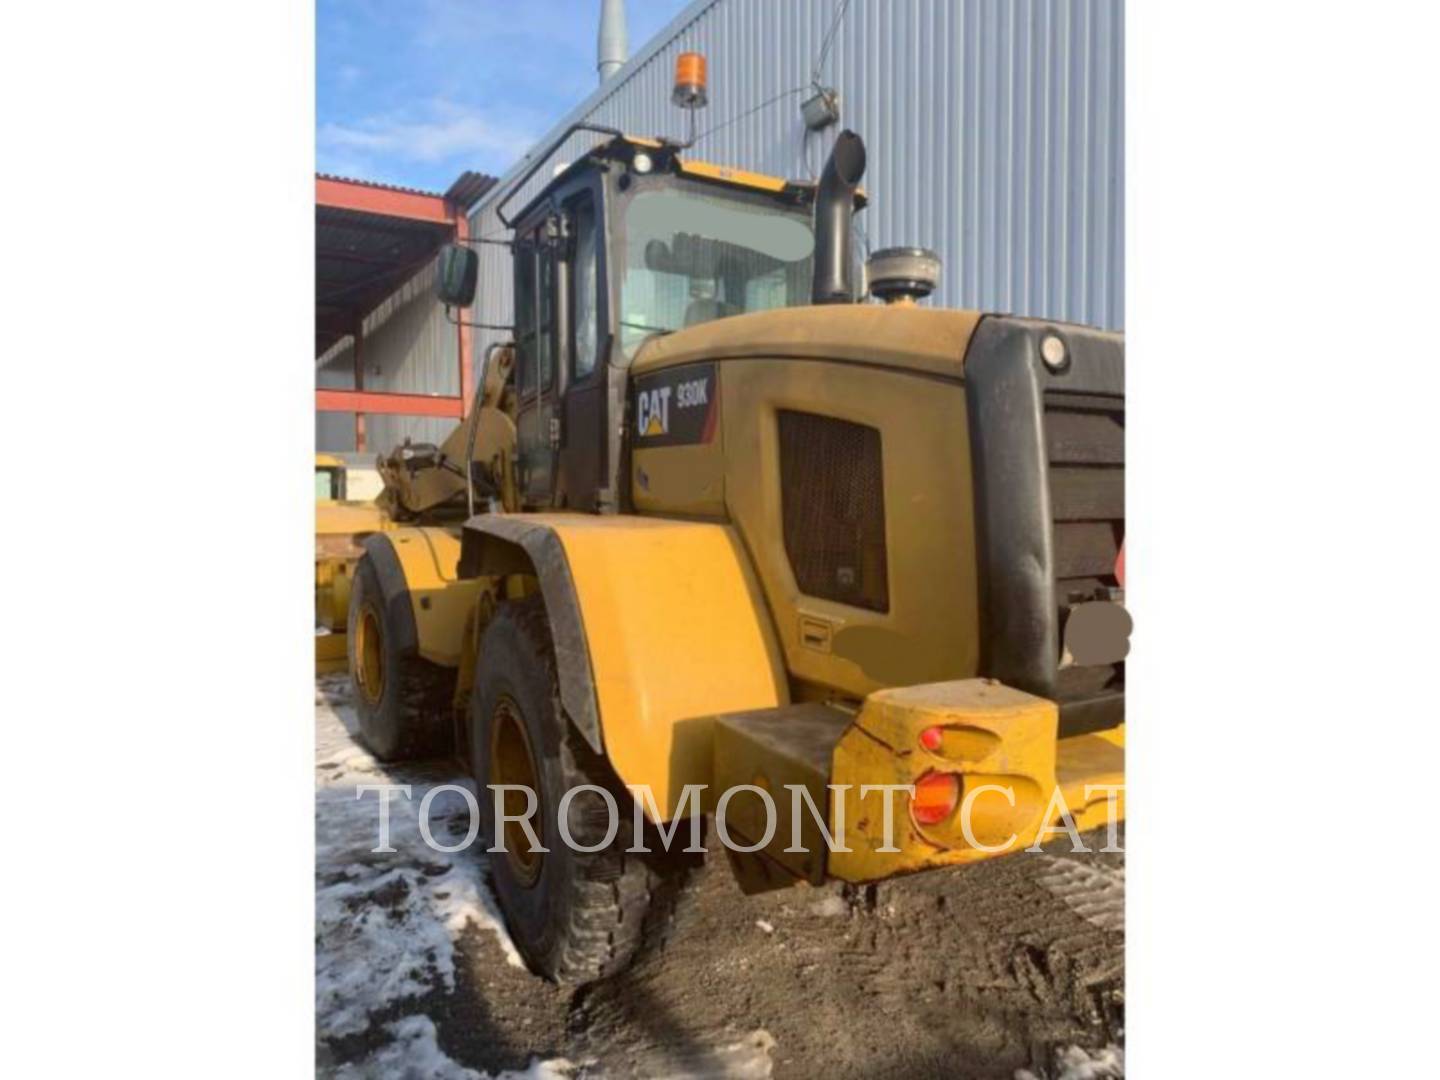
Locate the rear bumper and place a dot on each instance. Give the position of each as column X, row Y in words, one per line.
column 1013, row 779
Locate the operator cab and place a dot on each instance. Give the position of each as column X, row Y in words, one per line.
column 628, row 242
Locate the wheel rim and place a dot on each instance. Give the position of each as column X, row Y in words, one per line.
column 513, row 763
column 369, row 659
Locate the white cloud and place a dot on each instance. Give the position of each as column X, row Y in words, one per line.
column 445, row 131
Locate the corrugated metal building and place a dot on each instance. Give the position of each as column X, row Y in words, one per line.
column 994, row 129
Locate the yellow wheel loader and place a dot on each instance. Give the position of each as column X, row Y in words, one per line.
column 731, row 537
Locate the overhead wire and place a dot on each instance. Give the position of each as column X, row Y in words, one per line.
column 752, row 111
column 826, row 42
column 816, row 70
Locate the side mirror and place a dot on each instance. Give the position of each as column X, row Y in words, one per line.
column 455, row 275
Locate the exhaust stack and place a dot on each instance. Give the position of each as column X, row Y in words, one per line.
column 612, row 48
column 834, row 211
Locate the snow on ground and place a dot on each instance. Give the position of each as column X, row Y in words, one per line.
column 415, row 1055
column 386, row 923
column 1073, row 1063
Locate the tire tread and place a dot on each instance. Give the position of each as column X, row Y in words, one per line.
column 617, row 898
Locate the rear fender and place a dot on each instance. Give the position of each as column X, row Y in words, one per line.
column 658, row 626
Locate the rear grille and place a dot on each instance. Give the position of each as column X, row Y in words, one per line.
column 1047, row 447
column 833, row 509
column 1085, row 445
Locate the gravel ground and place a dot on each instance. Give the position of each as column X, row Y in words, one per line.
column 1010, row 968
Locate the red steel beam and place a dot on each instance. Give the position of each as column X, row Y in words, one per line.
column 372, row 200
column 371, row 401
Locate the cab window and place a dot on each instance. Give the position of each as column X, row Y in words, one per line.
column 690, row 256
column 534, row 317
column 584, row 284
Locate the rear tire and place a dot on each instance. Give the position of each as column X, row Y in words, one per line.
column 574, row 916
column 403, row 701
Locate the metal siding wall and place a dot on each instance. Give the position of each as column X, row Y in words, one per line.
column 334, row 432
column 335, row 370
column 411, row 343
column 995, row 131
column 416, row 351
column 410, row 348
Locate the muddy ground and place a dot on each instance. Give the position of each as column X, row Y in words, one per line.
column 973, row 972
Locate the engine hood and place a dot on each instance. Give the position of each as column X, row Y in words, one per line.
column 931, row 341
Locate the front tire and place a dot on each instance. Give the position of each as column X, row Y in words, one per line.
column 403, row 701
column 574, row 916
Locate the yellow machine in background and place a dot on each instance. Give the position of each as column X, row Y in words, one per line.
column 713, row 523
column 423, row 484
column 340, row 526
column 329, row 478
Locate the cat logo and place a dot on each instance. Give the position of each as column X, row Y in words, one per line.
column 676, row 407
column 654, row 411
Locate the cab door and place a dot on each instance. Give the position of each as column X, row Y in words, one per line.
column 536, row 322
column 582, row 435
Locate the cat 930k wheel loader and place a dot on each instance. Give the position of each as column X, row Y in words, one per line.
column 717, row 525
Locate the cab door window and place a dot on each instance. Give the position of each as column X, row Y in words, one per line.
column 584, row 286
column 534, row 319
column 536, row 348
column 526, row 324
column 545, row 308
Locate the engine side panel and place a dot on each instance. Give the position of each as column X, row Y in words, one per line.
column 928, row 628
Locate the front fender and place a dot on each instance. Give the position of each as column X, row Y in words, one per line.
column 428, row 601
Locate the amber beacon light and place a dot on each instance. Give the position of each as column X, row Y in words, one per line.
column 689, row 92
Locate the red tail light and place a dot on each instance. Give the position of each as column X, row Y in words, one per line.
column 936, row 796
column 932, row 738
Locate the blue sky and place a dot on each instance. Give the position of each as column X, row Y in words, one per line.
column 414, row 92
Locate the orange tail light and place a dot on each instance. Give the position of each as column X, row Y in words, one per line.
column 936, row 796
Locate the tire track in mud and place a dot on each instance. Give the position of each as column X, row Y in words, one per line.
column 976, row 972
column 1093, row 891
